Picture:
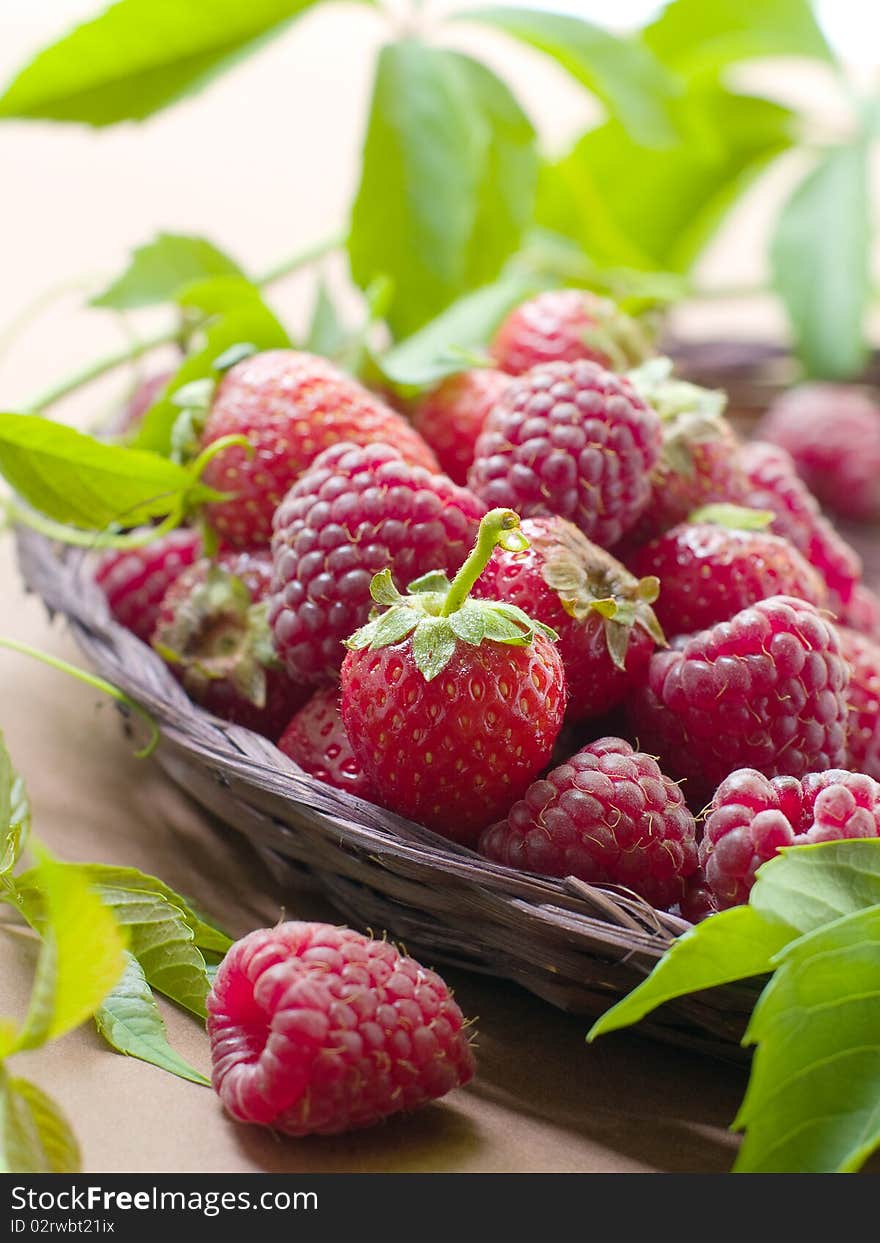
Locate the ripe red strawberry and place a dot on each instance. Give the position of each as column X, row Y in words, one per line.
column 212, row 632
column 134, row 580
column 452, row 705
column 709, row 572
column 773, row 484
column 315, row 1030
column 862, row 612
column 608, row 815
column 863, row 725
column 566, row 325
column 751, row 818
column 570, row 439
column 290, row 407
column 451, row 416
column 316, row 740
column 765, row 690
column 832, row 432
column 602, row 614
column 354, row 513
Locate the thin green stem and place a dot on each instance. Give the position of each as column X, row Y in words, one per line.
column 499, row 526
column 90, row 679
column 302, row 259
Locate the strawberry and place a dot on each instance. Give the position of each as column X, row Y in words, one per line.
column 570, row 439
column 315, row 1030
column 290, row 407
column 450, row 417
column 134, row 580
column 452, row 705
column 212, row 632
column 709, row 571
column 316, row 740
column 602, row 614
column 832, row 432
column 567, row 325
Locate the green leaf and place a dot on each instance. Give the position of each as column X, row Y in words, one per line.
column 704, row 36
column 159, row 269
column 447, row 184
column 433, row 646
column 733, row 517
column 35, row 1137
column 469, row 624
column 327, row 333
column 808, row 886
column 81, row 958
column 129, row 1020
column 632, row 205
column 394, row 625
column 732, row 945
column 820, row 259
column 76, row 479
column 142, row 55
column 236, row 313
column 813, row 1101
column 634, row 86
column 15, row 815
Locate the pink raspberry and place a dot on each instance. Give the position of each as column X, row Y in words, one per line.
column 570, row 439
column 752, row 817
column 315, row 1030
column 134, row 580
column 608, row 815
column 451, row 416
column 765, row 690
column 863, row 726
column 355, row 512
column 862, row 612
column 316, row 740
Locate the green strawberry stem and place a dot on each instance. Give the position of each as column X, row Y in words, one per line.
column 496, row 528
column 90, row 679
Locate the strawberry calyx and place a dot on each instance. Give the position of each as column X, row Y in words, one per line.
column 616, row 335
column 437, row 613
column 218, row 633
column 691, row 415
column 587, row 579
column 733, row 517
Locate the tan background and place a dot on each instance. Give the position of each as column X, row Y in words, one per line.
column 73, row 202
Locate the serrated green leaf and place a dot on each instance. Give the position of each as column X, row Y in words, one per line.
column 447, row 183
column 140, row 56
column 437, row 349
column 433, row 646
column 76, row 479
column 820, row 259
column 732, row 945
column 236, row 313
column 623, row 73
column 808, row 886
column 469, row 624
column 394, row 625
column 130, row 1022
column 597, row 193
column 159, row 269
column 813, row 1101
column 35, row 1137
column 81, row 957
column 704, row 36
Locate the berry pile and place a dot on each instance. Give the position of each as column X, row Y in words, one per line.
column 441, row 608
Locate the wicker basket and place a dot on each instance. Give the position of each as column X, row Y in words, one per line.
column 578, row 946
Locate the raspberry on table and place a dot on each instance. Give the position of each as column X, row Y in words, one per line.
column 608, row 815
column 566, row 325
column 134, row 580
column 316, row 740
column 355, row 512
column 863, row 724
column 765, row 690
column 862, row 612
column 570, row 439
column 752, row 817
column 451, row 416
column 316, row 1030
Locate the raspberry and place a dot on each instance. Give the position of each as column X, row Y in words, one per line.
column 832, row 432
column 211, row 630
column 862, row 612
column 751, row 818
column 765, row 690
column 773, row 484
column 603, row 616
column 316, row 740
column 451, row 416
column 567, row 325
column 355, row 512
column 710, row 572
column 570, row 439
column 315, row 1030
column 290, row 407
column 134, row 580
column 608, row 816
column 863, row 726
